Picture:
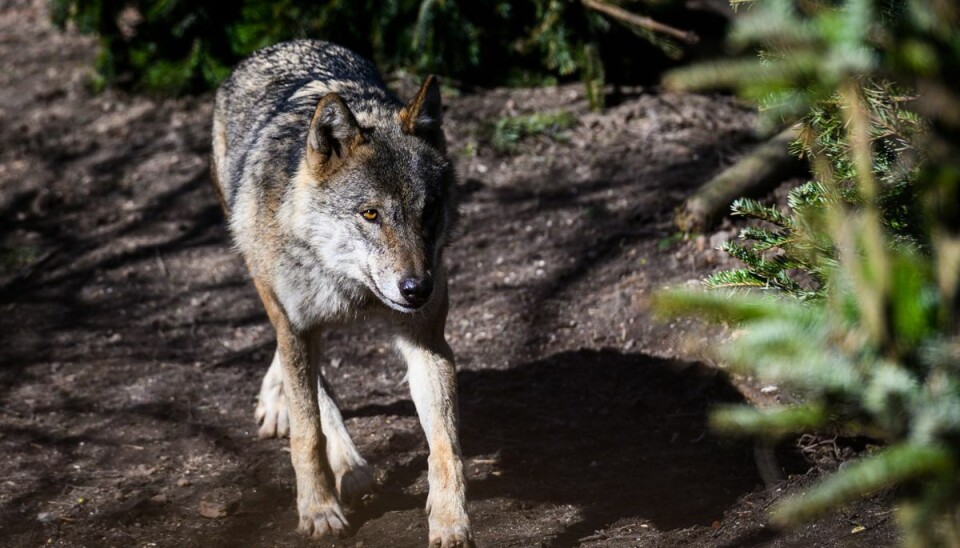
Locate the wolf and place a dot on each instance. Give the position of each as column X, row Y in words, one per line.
column 341, row 200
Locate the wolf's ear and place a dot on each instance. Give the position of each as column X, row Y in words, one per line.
column 334, row 133
column 423, row 116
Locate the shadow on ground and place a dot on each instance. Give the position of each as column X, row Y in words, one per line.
column 617, row 435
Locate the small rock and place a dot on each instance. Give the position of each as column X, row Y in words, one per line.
column 717, row 238
column 212, row 509
column 143, row 470
column 219, row 502
column 701, row 243
column 183, row 482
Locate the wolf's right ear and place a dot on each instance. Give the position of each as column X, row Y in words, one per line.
column 334, row 133
column 423, row 115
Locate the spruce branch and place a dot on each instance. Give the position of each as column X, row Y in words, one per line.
column 896, row 465
column 743, row 420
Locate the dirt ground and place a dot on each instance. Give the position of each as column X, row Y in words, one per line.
column 133, row 342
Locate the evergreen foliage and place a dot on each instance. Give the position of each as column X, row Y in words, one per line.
column 876, row 357
column 175, row 47
column 872, row 347
column 790, row 251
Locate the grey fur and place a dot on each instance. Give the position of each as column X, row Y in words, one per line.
column 336, row 194
column 262, row 113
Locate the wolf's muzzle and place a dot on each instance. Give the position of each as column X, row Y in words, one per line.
column 416, row 291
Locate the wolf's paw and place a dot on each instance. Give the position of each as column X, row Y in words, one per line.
column 456, row 535
column 271, row 412
column 449, row 526
column 354, row 482
column 319, row 521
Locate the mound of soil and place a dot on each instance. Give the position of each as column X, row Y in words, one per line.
column 134, row 343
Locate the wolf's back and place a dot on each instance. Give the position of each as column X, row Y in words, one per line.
column 263, row 109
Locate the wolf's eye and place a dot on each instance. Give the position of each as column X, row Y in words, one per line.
column 371, row 215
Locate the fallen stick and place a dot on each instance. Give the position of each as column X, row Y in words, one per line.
column 630, row 18
column 755, row 174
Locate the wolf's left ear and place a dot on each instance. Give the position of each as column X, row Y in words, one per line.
column 423, row 116
column 334, row 133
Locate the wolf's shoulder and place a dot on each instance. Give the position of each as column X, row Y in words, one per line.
column 293, row 63
column 263, row 109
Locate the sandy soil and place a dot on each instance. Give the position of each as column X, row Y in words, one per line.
column 133, row 342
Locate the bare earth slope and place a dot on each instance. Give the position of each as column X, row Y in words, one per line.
column 133, row 342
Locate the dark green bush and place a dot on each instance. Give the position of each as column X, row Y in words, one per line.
column 175, row 46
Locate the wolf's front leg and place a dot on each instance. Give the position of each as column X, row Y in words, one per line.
column 317, row 502
column 433, row 386
column 320, row 512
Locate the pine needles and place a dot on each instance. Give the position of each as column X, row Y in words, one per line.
column 789, row 251
column 851, row 298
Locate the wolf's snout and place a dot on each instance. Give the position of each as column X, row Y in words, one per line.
column 415, row 290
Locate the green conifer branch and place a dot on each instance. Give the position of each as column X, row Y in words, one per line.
column 896, row 465
column 743, row 420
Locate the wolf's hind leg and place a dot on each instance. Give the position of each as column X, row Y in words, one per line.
column 354, row 476
column 271, row 411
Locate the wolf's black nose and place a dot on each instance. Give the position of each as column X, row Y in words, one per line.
column 416, row 290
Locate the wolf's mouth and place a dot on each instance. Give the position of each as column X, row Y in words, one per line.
column 406, row 306
column 396, row 305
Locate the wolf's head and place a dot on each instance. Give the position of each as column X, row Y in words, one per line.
column 376, row 202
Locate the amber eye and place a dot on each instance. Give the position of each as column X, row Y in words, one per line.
column 371, row 215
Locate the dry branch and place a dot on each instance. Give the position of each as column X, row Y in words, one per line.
column 633, row 19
